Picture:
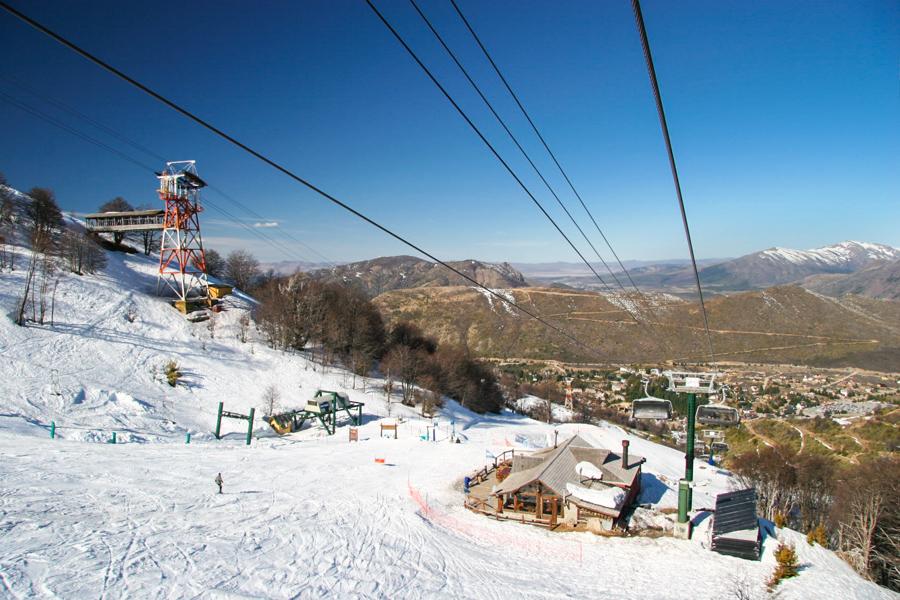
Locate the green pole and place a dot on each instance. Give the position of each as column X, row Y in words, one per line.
column 52, row 430
column 113, row 440
column 219, row 420
column 250, row 425
column 689, row 450
column 187, row 438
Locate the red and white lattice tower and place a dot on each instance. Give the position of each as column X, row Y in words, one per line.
column 182, row 262
column 570, row 404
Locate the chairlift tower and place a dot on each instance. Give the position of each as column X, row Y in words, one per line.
column 182, row 261
column 691, row 384
column 570, row 402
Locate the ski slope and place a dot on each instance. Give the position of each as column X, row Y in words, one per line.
column 304, row 516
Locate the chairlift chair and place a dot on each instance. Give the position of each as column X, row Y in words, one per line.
column 650, row 408
column 718, row 414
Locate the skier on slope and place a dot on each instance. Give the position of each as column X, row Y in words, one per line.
column 219, row 482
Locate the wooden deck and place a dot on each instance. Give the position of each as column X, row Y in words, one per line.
column 480, row 500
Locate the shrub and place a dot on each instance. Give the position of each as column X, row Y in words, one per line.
column 787, row 564
column 817, row 535
column 172, row 373
column 780, row 519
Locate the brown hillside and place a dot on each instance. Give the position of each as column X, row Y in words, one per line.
column 783, row 324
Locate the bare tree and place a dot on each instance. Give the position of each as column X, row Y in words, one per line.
column 117, row 204
column 868, row 519
column 44, row 216
column 407, row 364
column 27, row 291
column 149, row 237
column 81, row 252
column 242, row 268
column 215, row 264
column 243, row 327
column 271, row 400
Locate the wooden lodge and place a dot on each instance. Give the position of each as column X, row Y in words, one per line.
column 573, row 484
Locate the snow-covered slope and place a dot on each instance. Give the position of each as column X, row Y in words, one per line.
column 307, row 515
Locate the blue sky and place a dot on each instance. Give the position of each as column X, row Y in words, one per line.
column 784, row 116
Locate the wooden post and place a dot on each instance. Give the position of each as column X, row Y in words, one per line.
column 553, row 509
column 539, row 509
column 499, row 504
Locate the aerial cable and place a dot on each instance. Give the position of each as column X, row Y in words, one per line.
column 651, row 71
column 544, row 143
column 515, row 140
column 559, row 166
column 87, row 138
column 138, row 146
column 230, row 139
column 481, row 136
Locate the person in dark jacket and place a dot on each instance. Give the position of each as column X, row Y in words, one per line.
column 219, row 482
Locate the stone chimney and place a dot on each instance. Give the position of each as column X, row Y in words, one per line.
column 625, row 444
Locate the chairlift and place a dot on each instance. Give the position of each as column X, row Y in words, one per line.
column 650, row 408
column 718, row 414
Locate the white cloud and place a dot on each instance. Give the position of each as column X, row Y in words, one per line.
column 266, row 224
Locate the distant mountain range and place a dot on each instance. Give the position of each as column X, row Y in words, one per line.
column 881, row 280
column 289, row 267
column 777, row 266
column 861, row 268
column 767, row 268
column 388, row 273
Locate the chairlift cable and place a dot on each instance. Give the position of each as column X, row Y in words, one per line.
column 651, row 71
column 275, row 165
column 481, row 136
column 138, row 146
column 546, row 183
column 512, row 136
column 546, row 147
column 127, row 157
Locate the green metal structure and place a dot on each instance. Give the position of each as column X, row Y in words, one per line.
column 323, row 407
column 690, row 384
column 230, row 415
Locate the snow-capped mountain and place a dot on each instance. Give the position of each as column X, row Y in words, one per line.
column 846, row 254
column 777, row 266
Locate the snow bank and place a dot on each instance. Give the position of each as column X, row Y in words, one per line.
column 611, row 497
column 588, row 470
